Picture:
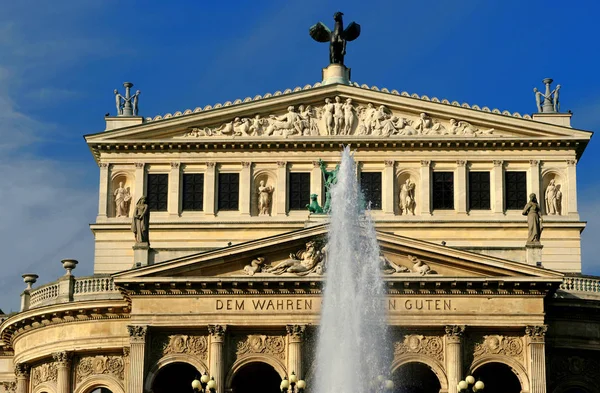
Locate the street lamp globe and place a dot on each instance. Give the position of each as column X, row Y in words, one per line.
column 196, row 385
column 212, row 384
column 389, row 384
column 470, row 380
column 293, row 378
column 204, row 378
column 301, row 384
column 463, row 385
column 479, row 385
column 285, row 384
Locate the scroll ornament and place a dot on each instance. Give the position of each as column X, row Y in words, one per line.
column 499, row 345
column 179, row 343
column 256, row 343
column 98, row 365
column 431, row 346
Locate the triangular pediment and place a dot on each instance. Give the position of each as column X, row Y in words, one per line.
column 305, row 115
column 271, row 258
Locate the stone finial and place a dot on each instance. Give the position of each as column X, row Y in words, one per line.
column 127, row 105
column 68, row 265
column 547, row 102
column 30, row 279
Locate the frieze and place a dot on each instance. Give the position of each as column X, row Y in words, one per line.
column 98, row 365
column 47, row 372
column 339, row 118
column 262, row 344
column 431, row 346
column 499, row 345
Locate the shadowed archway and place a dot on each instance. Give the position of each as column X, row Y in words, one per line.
column 256, row 377
column 175, row 377
column 415, row 377
column 498, row 378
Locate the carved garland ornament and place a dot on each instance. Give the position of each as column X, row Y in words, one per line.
column 97, row 365
column 431, row 346
column 46, row 372
column 338, row 119
column 170, row 344
column 256, row 343
column 499, row 345
column 9, row 387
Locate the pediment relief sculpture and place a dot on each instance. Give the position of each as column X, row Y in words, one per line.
column 337, row 117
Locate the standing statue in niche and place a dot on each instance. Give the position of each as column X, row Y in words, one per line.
column 264, row 198
column 550, row 197
column 337, row 39
column 330, row 178
column 141, row 219
column 407, row 197
column 534, row 220
column 122, row 200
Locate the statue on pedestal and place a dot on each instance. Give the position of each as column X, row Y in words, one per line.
column 337, row 39
column 534, row 220
column 547, row 102
column 122, row 199
column 264, row 198
column 127, row 105
column 407, row 197
column 330, row 179
column 141, row 219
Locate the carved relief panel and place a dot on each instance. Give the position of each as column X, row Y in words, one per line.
column 99, row 365
column 42, row 373
column 162, row 344
column 263, row 194
column 121, row 193
column 267, row 345
column 573, row 369
column 430, row 346
column 479, row 346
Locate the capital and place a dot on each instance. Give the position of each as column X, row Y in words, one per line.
column 139, row 165
column 137, row 333
column 217, row 332
column 296, row 332
column 454, row 333
column 103, row 165
column 63, row 358
column 389, row 163
column 571, row 162
column 461, row 163
column 210, row 164
column 425, row 163
column 22, row 370
column 534, row 162
column 246, row 164
column 174, row 165
column 536, row 333
column 316, row 164
column 498, row 162
column 281, row 164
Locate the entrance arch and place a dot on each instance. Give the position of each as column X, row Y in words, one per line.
column 498, row 378
column 256, row 377
column 175, row 377
column 415, row 377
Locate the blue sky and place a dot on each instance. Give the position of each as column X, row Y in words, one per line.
column 61, row 60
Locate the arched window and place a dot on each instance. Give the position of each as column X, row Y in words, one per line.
column 101, row 390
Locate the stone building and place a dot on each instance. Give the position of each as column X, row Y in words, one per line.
column 227, row 187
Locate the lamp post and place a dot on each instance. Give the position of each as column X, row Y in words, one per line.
column 469, row 385
column 292, row 385
column 205, row 384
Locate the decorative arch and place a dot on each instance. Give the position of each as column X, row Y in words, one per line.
column 560, row 179
column 515, row 366
column 100, row 381
column 170, row 359
column 271, row 361
column 578, row 383
column 270, row 179
column 48, row 387
column 401, row 176
column 433, row 364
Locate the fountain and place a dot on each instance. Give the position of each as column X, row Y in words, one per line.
column 351, row 348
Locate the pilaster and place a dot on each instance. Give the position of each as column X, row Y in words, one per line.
column 245, row 188
column 295, row 339
column 454, row 335
column 174, row 188
column 216, row 357
column 425, row 192
column 534, row 172
column 63, row 366
column 387, row 187
column 316, row 182
column 281, row 189
column 460, row 188
column 572, row 188
column 137, row 357
column 537, row 357
column 497, row 190
column 104, row 189
column 22, row 374
column 126, row 364
column 140, row 182
column 210, row 186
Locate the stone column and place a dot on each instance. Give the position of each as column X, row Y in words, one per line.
column 245, row 188
column 497, row 185
column 104, row 190
column 425, row 191
column 295, row 338
column 571, row 193
column 216, row 356
column 63, row 365
column 460, row 187
column 388, row 179
column 22, row 373
column 281, row 189
column 137, row 357
column 210, row 188
column 140, row 182
column 534, row 186
column 537, row 357
column 316, row 182
column 174, row 187
column 454, row 367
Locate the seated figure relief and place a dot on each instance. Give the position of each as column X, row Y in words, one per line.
column 339, row 117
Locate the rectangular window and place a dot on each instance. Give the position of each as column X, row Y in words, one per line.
column 370, row 184
column 157, row 191
column 299, row 191
column 443, row 190
column 515, row 190
column 479, row 190
column 229, row 191
column 193, row 191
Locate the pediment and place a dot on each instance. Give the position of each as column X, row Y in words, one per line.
column 301, row 254
column 358, row 114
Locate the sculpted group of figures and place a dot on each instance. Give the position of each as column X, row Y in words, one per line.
column 339, row 117
column 313, row 259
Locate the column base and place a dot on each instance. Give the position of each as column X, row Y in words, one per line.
column 534, row 254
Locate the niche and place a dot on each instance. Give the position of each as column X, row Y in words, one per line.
column 405, row 195
column 554, row 195
column 263, row 196
column 120, row 195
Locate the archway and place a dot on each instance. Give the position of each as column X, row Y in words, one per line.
column 415, row 377
column 498, row 378
column 175, row 377
column 256, row 377
column 101, row 390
